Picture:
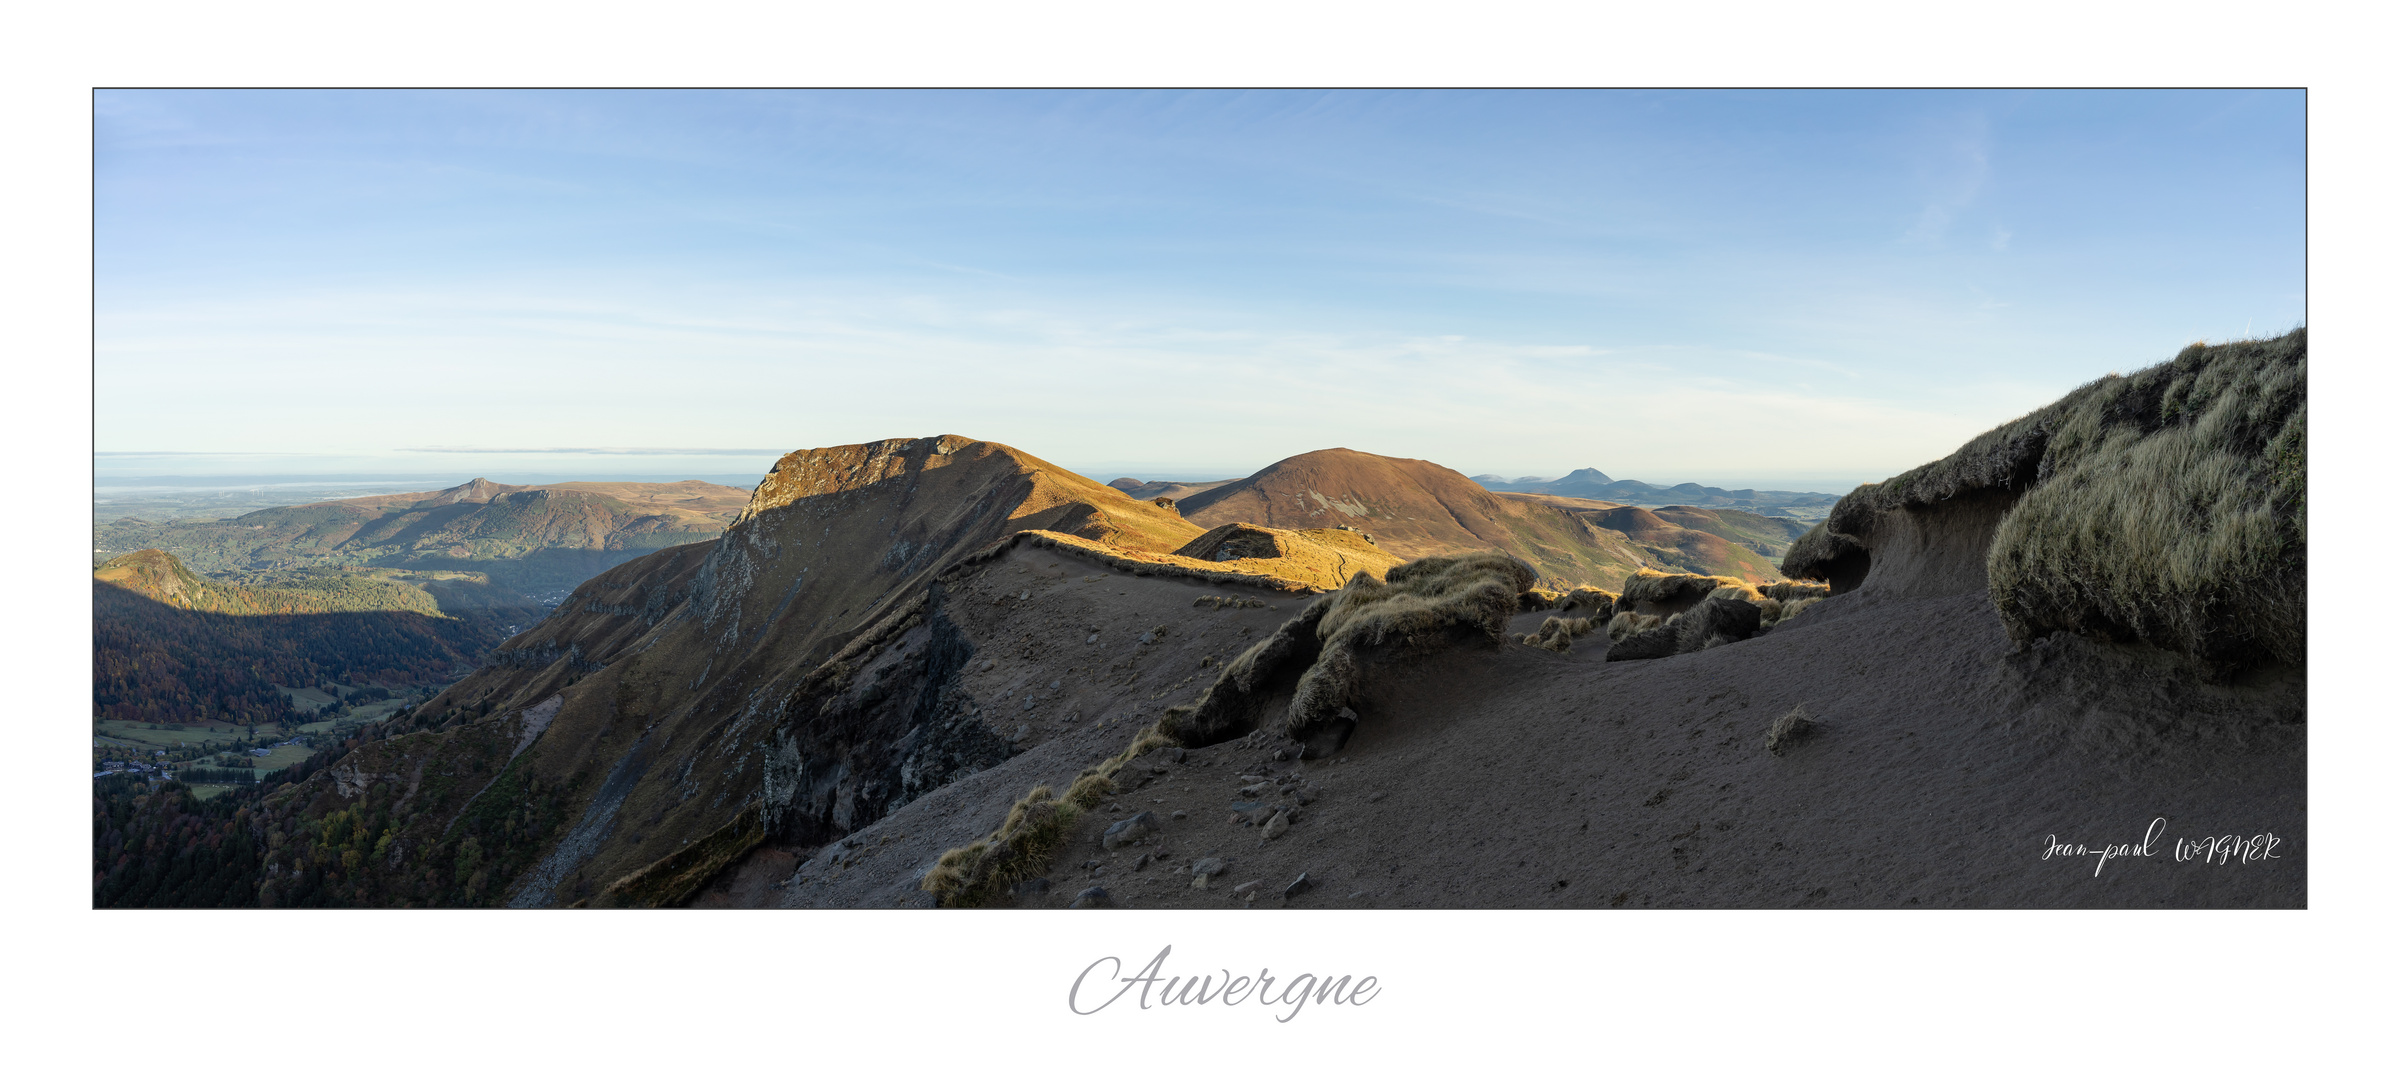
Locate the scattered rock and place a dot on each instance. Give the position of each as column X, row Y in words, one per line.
column 1023, row 732
column 1054, row 684
column 1304, row 794
column 990, row 664
column 1091, row 898
column 1207, row 869
column 1377, row 797
column 1245, row 888
column 1254, row 812
column 1147, row 639
column 1253, row 779
column 1275, row 826
column 1132, row 830
column 1255, row 790
column 1280, row 755
column 1299, row 885
column 1091, row 639
column 1091, row 864
column 1179, row 815
column 1142, row 861
column 1790, row 730
column 1026, row 595
column 1173, row 753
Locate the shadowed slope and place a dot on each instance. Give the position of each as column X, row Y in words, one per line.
column 660, row 682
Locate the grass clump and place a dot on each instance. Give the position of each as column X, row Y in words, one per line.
column 1558, row 634
column 1717, row 620
column 1532, row 600
column 2171, row 510
column 2168, row 506
column 1652, row 593
column 1418, row 605
column 1789, row 730
column 1627, row 623
column 1594, row 603
column 1028, row 838
column 1319, row 659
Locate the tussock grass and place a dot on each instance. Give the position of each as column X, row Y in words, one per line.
column 1667, row 594
column 1237, row 701
column 1028, row 838
column 1558, row 635
column 1417, row 605
column 1789, row 730
column 2168, row 506
column 2172, row 510
column 1717, row 620
column 1532, row 600
column 1788, row 591
column 1627, row 623
column 1594, row 603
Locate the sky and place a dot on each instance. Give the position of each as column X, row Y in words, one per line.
column 1790, row 289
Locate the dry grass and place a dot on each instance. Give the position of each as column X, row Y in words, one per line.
column 1666, row 594
column 2172, row 510
column 1627, row 623
column 675, row 879
column 1237, row 701
column 1789, row 730
column 2168, row 506
column 1417, row 605
column 1594, row 603
column 1714, row 621
column 1558, row 635
column 1028, row 838
column 1532, row 600
column 1788, row 591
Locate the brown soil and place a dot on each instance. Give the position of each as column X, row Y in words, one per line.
column 1417, row 508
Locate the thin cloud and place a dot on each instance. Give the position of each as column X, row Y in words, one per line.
column 678, row 451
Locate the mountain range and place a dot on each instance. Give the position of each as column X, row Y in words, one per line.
column 1594, row 484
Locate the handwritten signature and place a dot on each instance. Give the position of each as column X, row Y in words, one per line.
column 2226, row 850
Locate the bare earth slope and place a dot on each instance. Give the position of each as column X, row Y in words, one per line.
column 1520, row 778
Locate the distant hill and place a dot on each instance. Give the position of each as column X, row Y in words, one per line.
column 172, row 647
column 1594, row 484
column 1171, row 489
column 1417, row 508
column 533, row 539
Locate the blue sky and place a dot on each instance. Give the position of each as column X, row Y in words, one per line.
column 1807, row 289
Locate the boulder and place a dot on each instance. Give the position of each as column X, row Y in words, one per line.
column 1132, row 830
